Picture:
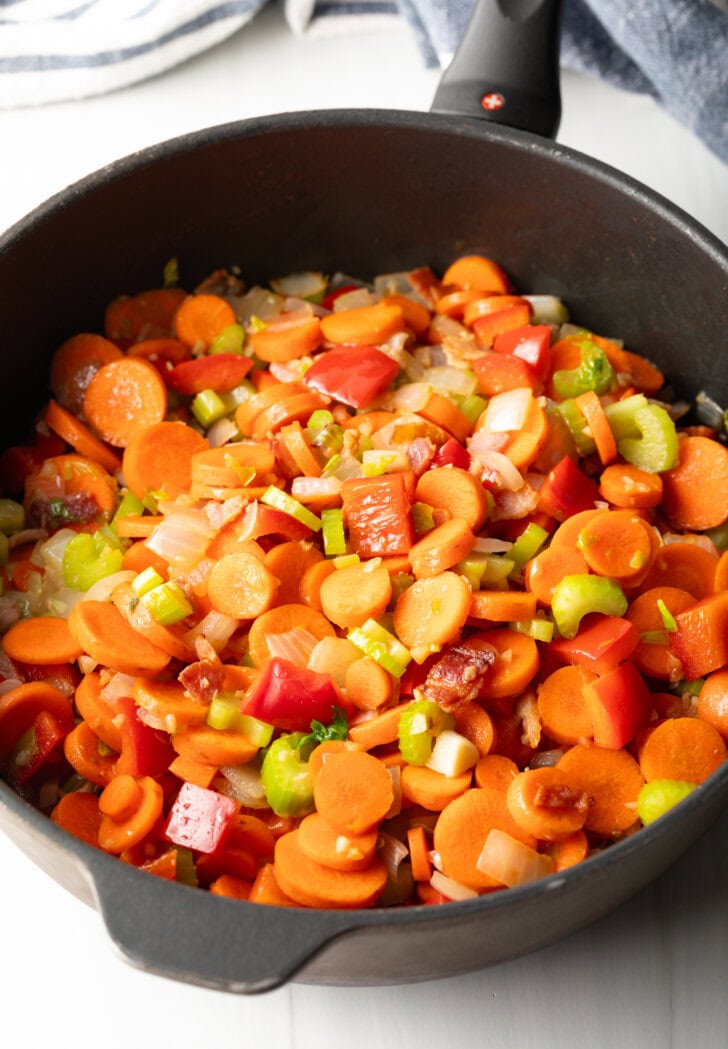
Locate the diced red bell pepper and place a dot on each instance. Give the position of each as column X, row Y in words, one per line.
column 701, row 639
column 378, row 515
column 567, row 491
column 221, row 372
column 601, row 643
column 452, row 453
column 620, row 705
column 498, row 373
column 200, row 819
column 144, row 750
column 36, row 746
column 291, row 697
column 266, row 520
column 354, row 375
column 487, row 327
column 531, row 343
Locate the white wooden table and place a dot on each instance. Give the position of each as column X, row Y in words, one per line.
column 652, row 975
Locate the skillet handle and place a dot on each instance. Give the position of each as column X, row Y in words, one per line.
column 506, row 68
column 226, row 945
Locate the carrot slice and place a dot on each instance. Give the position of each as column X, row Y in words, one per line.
column 516, row 662
column 455, row 490
column 612, row 779
column 288, row 562
column 686, row 566
column 319, row 841
column 287, row 339
column 241, row 586
column 313, row 885
column 630, row 487
column 159, row 457
column 713, row 701
column 687, row 749
column 81, row 750
column 41, row 640
column 695, row 492
column 654, row 658
column 564, row 714
column 368, row 685
column 147, row 315
column 568, row 851
column 431, row 612
column 75, row 363
column 617, row 544
column 102, row 632
column 266, row 890
column 353, row 791
column 349, row 596
column 214, row 746
column 124, row 397
column 363, row 325
column 168, row 700
column 201, row 318
column 280, row 620
column 461, row 831
column 479, row 272
column 591, row 408
column 96, row 712
column 21, row 705
column 441, row 548
column 545, row 803
column 80, row 438
column 502, row 606
column 549, row 567
column 475, row 723
column 430, row 789
column 130, row 809
column 380, row 730
column 78, row 813
column 496, row 771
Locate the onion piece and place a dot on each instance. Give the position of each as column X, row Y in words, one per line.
column 215, row 627
column 391, row 851
column 221, row 431
column 454, row 890
column 499, row 470
column 510, row 862
column 182, row 537
column 295, row 645
column 243, row 783
column 103, row 588
column 308, row 487
column 412, row 397
column 117, row 686
column 507, row 411
column 488, row 545
column 448, row 379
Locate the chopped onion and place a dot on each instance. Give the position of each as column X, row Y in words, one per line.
column 499, row 469
column 162, row 722
column 697, row 539
column 26, row 536
column 294, row 645
column 454, row 890
column 547, row 309
column 215, row 627
column 86, row 664
column 103, row 588
column 412, row 397
column 349, row 300
column 395, row 774
column 243, row 783
column 511, row 862
column 258, row 302
column 304, row 488
column 448, row 379
column 482, row 442
column 182, row 537
column 512, row 506
column 8, row 684
column 284, row 372
column 50, row 553
column 221, row 431
column 391, row 851
column 507, row 411
column 486, row 545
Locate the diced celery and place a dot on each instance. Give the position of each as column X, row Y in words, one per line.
column 170, row 273
column 207, row 407
column 224, row 713
column 238, row 395
column 423, row 517
column 668, row 619
column 528, row 543
column 594, row 373
column 655, row 447
column 473, row 569
column 146, row 581
column 659, row 796
column 575, row 596
column 621, row 415
column 332, row 527
column 329, row 439
column 381, row 646
column 319, row 420
column 286, row 777
column 539, row 628
column 419, row 725
column 185, row 870
column 346, row 560
column 88, row 558
column 472, row 405
column 401, row 581
column 583, row 440
column 167, row 604
column 497, row 567
column 230, row 340
column 281, row 500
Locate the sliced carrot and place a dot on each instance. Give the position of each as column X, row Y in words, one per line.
column 630, row 487
column 168, row 701
column 163, row 349
column 265, row 889
column 643, row 375
column 288, row 562
column 444, row 414
column 432, row 790
column 416, row 316
column 323, row 751
column 241, row 586
column 441, row 548
column 545, row 803
column 432, row 612
column 496, row 771
column 686, row 566
column 287, row 339
column 21, row 705
column 695, row 492
column 302, row 460
column 713, row 701
column 591, row 408
column 380, row 730
column 502, row 606
column 452, row 303
column 227, row 465
column 455, row 490
column 191, row 771
column 138, row 556
column 147, row 315
column 138, row 526
column 462, row 829
column 318, row 840
column 549, row 567
column 652, row 657
column 475, row 723
column 687, row 749
column 75, row 363
column 104, row 634
column 419, row 848
column 214, row 746
column 568, row 851
column 78, row 813
column 159, row 457
column 96, row 712
column 309, row 587
column 363, row 325
column 313, row 885
column 286, row 410
column 612, row 779
column 368, row 685
column 81, row 750
column 130, row 809
column 80, row 438
column 41, row 640
column 351, row 595
column 477, row 271
column 247, row 412
column 617, row 544
column 567, row 532
column 124, row 397
column 201, row 318
column 231, row 886
column 353, row 791
column 169, row 640
column 516, row 662
column 563, row 711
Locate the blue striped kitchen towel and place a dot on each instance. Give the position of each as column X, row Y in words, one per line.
column 673, row 50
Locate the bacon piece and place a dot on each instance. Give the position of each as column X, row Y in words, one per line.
column 456, row 678
column 52, row 514
column 202, row 680
column 559, row 796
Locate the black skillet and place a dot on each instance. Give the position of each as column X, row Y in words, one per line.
column 368, row 192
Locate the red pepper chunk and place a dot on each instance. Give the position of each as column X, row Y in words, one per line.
column 567, row 491
column 144, row 750
column 378, row 515
column 221, row 372
column 291, row 697
column 531, row 343
column 200, row 819
column 354, row 375
column 619, row 703
column 601, row 643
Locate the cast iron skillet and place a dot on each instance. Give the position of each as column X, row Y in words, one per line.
column 369, row 192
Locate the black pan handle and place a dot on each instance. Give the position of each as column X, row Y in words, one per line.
column 506, row 68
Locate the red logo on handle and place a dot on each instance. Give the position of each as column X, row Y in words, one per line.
column 492, row 100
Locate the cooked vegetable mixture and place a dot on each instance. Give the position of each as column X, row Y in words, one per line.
column 344, row 594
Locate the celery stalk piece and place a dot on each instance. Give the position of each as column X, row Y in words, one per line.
column 655, row 448
column 12, row 516
column 594, row 373
column 528, row 544
column 281, row 500
column 146, row 581
column 575, row 596
column 167, row 603
column 419, row 726
column 207, row 407
column 381, row 646
column 621, row 416
column 332, row 522
column 88, row 558
column 230, row 340
column 286, row 777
